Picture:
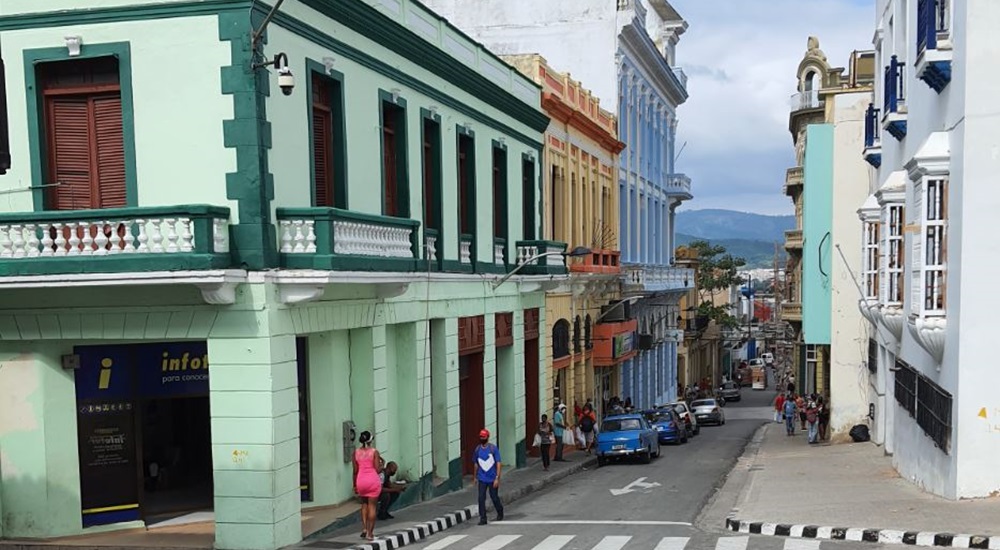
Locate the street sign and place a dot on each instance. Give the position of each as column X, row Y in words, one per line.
column 638, row 485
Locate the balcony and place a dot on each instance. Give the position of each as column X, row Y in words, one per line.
column 678, row 185
column 598, row 261
column 934, row 49
column 334, row 239
column 533, row 254
column 658, row 278
column 873, row 144
column 806, row 101
column 894, row 100
column 793, row 180
column 793, row 239
column 114, row 240
column 791, row 312
column 614, row 342
column 681, row 76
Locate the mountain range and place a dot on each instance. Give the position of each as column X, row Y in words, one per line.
column 743, row 234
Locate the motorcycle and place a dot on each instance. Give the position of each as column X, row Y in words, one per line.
column 719, row 399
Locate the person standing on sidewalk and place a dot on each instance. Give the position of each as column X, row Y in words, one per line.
column 824, row 417
column 779, row 407
column 559, row 422
column 587, row 422
column 800, row 406
column 545, row 433
column 812, row 420
column 487, row 458
column 790, row 415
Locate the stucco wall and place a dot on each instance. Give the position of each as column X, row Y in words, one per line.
column 817, row 276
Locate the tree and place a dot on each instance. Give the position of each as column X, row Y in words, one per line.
column 718, row 270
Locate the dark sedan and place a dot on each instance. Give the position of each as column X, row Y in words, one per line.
column 668, row 425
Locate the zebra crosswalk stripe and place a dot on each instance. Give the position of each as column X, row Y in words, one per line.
column 445, row 542
column 553, row 542
column 497, row 542
column 732, row 543
column 672, row 543
column 612, row 543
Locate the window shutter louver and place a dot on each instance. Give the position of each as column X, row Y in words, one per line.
column 4, row 135
column 883, row 257
column 69, row 143
column 916, row 265
column 321, row 158
column 110, row 152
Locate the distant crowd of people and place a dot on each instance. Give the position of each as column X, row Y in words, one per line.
column 811, row 412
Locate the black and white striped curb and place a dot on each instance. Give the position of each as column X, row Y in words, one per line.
column 418, row 532
column 858, row 534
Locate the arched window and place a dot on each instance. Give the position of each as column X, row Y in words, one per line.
column 587, row 338
column 577, row 342
column 560, row 339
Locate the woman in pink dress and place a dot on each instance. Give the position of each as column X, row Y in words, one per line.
column 367, row 483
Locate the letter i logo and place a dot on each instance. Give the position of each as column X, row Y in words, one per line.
column 105, row 379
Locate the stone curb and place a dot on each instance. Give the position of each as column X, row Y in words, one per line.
column 424, row 530
column 860, row 534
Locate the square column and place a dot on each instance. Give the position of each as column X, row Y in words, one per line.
column 255, row 441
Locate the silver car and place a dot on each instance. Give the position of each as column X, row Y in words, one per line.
column 685, row 413
column 708, row 411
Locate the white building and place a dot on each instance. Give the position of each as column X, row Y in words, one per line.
column 624, row 52
column 930, row 251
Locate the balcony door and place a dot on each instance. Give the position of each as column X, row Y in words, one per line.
column 84, row 138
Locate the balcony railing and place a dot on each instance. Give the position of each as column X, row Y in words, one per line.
column 871, row 126
column 894, row 92
column 598, row 261
column 465, row 242
column 500, row 251
column 793, row 177
column 541, row 257
column 658, row 278
column 793, row 239
column 791, row 311
column 682, row 76
column 431, row 237
column 334, row 239
column 171, row 238
column 932, row 20
column 696, row 324
column 804, row 101
column 678, row 185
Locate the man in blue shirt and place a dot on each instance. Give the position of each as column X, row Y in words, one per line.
column 487, row 464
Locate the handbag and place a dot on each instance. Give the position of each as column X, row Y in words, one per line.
column 568, row 437
column 538, row 440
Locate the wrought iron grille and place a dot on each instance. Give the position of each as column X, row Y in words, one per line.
column 906, row 386
column 872, row 356
column 934, row 412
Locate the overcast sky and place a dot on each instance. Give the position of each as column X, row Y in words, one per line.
column 741, row 57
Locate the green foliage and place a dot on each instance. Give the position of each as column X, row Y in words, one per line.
column 718, row 270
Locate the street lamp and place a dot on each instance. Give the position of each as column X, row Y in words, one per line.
column 575, row 253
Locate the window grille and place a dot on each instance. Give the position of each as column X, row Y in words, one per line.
column 871, row 266
column 895, row 255
column 934, row 412
column 935, row 245
column 872, row 356
column 905, row 388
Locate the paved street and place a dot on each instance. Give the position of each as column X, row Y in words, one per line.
column 656, row 506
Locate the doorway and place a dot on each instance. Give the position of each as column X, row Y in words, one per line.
column 176, row 457
column 531, row 394
column 472, row 402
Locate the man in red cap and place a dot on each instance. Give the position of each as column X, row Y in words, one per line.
column 487, row 458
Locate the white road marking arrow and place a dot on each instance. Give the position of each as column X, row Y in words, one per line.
column 638, row 484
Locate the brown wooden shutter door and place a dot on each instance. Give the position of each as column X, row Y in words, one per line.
column 110, row 152
column 69, row 146
column 321, row 157
column 389, row 160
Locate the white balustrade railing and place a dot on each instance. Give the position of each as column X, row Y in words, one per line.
column 155, row 235
column 556, row 257
column 430, row 245
column 465, row 251
column 352, row 238
column 297, row 236
column 665, row 277
column 526, row 253
column 499, row 253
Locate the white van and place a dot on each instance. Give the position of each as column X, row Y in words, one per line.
column 768, row 358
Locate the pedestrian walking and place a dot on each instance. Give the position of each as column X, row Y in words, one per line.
column 559, row 423
column 587, row 423
column 779, row 407
column 367, row 482
column 800, row 406
column 545, row 431
column 487, row 458
column 824, row 417
column 812, row 420
column 790, row 416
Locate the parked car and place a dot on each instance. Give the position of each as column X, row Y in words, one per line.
column 668, row 425
column 708, row 410
column 626, row 435
column 730, row 391
column 768, row 358
column 690, row 421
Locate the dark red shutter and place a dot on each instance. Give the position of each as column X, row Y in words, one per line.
column 498, row 221
column 69, row 153
column 389, row 160
column 429, row 161
column 322, row 142
column 463, row 189
column 109, row 152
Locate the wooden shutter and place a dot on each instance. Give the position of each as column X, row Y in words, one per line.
column 463, row 188
column 69, row 153
column 916, row 263
column 109, row 152
column 322, row 137
column 389, row 160
column 4, row 135
column 429, row 166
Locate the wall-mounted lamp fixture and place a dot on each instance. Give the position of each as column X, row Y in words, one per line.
column 73, row 44
column 434, row 110
column 467, row 127
column 531, row 155
column 286, row 81
column 503, row 141
column 395, row 95
column 328, row 64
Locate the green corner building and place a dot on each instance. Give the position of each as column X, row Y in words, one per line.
column 211, row 281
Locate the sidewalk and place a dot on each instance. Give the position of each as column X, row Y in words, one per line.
column 419, row 521
column 783, row 486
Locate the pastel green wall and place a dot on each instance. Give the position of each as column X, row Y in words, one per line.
column 178, row 128
column 817, row 222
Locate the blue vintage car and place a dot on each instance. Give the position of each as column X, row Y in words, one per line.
column 668, row 425
column 626, row 435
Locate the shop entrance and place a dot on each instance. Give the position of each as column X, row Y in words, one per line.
column 531, row 389
column 144, row 431
column 472, row 401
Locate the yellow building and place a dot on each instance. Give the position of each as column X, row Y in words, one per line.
column 580, row 203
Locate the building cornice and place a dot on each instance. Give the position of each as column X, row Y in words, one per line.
column 652, row 64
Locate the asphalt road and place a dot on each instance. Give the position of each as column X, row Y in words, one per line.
column 634, row 506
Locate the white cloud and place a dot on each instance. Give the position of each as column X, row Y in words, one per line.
column 741, row 57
